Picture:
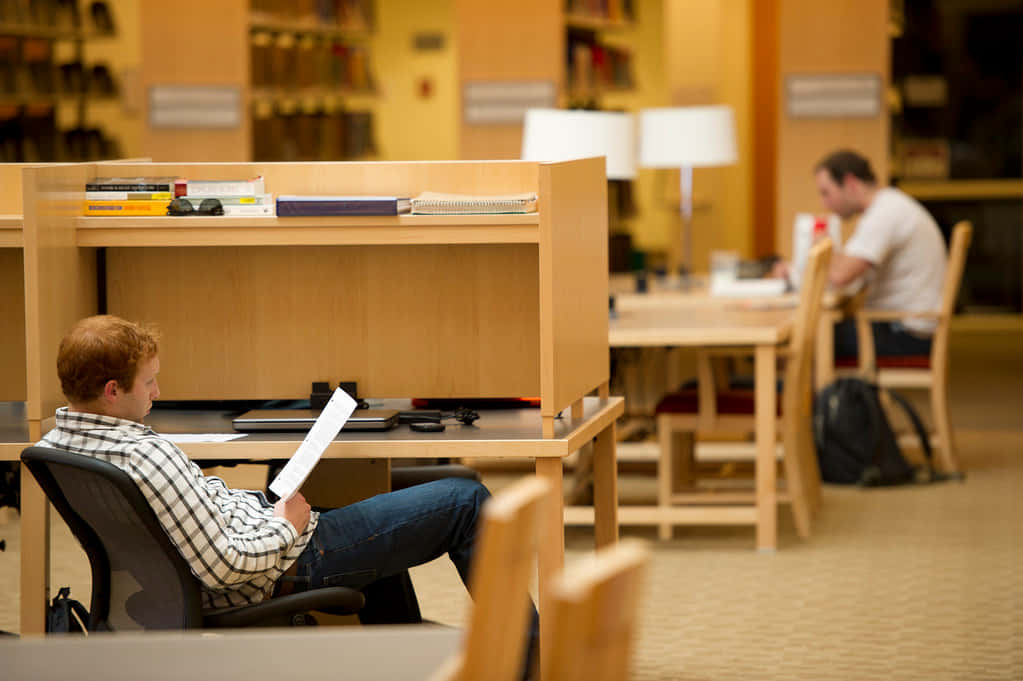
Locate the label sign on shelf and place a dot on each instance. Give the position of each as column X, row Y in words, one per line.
column 499, row 102
column 833, row 95
column 195, row 106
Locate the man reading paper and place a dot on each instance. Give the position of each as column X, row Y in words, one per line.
column 237, row 544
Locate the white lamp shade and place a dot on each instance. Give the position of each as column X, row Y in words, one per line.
column 562, row 135
column 690, row 136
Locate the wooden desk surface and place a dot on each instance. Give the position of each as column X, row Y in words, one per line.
column 377, row 653
column 700, row 326
column 498, row 433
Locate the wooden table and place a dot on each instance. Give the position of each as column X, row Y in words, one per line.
column 698, row 296
column 716, row 327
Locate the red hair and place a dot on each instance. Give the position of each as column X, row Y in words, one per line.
column 99, row 349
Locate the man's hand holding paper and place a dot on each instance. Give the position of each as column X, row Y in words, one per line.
column 305, row 458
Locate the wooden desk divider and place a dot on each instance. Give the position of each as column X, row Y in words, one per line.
column 257, row 308
column 12, row 286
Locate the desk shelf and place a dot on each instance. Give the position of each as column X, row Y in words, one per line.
column 307, row 231
column 10, row 231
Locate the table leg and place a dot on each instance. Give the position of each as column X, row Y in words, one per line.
column 35, row 556
column 551, row 551
column 766, row 467
column 605, row 487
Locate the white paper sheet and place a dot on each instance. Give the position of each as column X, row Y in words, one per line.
column 302, row 462
column 201, row 437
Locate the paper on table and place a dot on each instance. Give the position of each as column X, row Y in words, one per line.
column 202, row 437
column 328, row 425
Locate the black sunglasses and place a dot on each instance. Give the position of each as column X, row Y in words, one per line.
column 184, row 207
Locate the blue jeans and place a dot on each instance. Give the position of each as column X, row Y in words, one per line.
column 890, row 340
column 389, row 533
column 383, row 536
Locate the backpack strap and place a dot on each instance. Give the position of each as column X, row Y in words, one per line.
column 925, row 440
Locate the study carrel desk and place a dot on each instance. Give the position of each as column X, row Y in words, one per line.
column 12, row 286
column 257, row 308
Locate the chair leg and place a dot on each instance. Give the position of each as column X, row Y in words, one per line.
column 674, row 467
column 666, row 439
column 948, row 459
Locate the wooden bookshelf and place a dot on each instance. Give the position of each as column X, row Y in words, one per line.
column 596, row 22
column 46, row 113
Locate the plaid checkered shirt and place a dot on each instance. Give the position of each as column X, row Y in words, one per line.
column 230, row 538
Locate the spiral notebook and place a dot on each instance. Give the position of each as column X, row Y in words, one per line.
column 436, row 203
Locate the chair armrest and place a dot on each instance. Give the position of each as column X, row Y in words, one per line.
column 335, row 599
column 896, row 315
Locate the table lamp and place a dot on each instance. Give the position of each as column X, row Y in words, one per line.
column 686, row 138
column 562, row 135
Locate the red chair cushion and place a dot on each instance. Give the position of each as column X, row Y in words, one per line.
column 889, row 362
column 732, row 402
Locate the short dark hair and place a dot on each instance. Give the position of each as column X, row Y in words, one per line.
column 99, row 349
column 846, row 162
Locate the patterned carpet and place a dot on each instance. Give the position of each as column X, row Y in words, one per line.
column 906, row 583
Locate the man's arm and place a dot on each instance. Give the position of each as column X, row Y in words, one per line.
column 196, row 511
column 846, row 269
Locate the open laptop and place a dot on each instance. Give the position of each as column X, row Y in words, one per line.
column 303, row 419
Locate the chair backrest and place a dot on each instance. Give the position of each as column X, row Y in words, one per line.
column 139, row 579
column 495, row 638
column 811, row 293
column 959, row 245
column 596, row 603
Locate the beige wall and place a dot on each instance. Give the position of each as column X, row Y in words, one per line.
column 410, row 126
column 504, row 40
column 195, row 42
column 827, row 37
column 706, row 61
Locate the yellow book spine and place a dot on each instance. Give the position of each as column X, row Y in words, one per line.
column 124, row 208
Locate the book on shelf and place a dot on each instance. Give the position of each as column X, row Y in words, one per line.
column 249, row 210
column 436, row 203
column 128, row 196
column 133, row 184
column 214, row 188
column 297, row 206
column 125, row 208
column 230, row 200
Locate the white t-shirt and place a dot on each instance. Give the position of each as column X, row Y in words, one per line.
column 899, row 237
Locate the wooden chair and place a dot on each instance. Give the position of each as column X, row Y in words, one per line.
column 596, row 603
column 928, row 372
column 495, row 639
column 712, row 408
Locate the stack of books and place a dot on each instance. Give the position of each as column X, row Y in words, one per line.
column 246, row 198
column 128, row 196
column 150, row 196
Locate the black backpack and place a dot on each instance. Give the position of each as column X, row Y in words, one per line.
column 65, row 615
column 856, row 444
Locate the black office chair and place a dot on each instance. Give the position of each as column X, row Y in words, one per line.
column 139, row 578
